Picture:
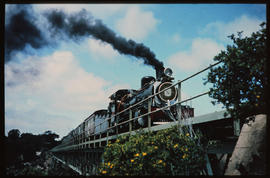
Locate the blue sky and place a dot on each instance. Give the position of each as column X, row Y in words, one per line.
column 76, row 78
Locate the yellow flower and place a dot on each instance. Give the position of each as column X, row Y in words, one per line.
column 184, row 156
column 156, row 147
column 132, row 160
column 186, row 149
column 136, row 154
column 144, row 153
column 258, row 96
column 187, row 134
column 117, row 141
column 104, row 172
column 160, row 161
column 109, row 163
column 175, row 146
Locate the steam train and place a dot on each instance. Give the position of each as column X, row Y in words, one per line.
column 98, row 123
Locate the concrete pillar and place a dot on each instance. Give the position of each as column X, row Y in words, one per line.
column 249, row 155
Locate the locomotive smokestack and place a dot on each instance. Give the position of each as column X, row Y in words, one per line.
column 159, row 72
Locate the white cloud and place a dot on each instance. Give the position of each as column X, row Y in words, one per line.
column 200, row 55
column 61, row 79
column 36, row 122
column 59, row 90
column 106, row 10
column 244, row 23
column 69, row 8
column 101, row 49
column 97, row 10
column 136, row 24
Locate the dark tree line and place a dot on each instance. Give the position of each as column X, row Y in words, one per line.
column 23, row 147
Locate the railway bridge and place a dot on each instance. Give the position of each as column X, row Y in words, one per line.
column 84, row 156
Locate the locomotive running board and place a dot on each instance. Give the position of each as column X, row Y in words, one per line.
column 160, row 123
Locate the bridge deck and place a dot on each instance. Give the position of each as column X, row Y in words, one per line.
column 215, row 116
column 69, row 165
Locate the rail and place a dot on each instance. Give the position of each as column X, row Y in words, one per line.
column 149, row 99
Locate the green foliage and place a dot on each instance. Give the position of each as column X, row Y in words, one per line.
column 240, row 81
column 166, row 152
column 32, row 171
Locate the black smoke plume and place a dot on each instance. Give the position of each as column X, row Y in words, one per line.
column 22, row 31
column 83, row 25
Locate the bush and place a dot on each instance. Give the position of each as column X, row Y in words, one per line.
column 166, row 152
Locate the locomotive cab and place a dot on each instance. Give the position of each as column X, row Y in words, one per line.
column 119, row 99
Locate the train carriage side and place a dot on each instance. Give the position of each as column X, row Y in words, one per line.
column 101, row 124
column 89, row 127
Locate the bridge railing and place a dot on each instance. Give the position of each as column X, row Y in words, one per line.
column 149, row 99
column 148, row 114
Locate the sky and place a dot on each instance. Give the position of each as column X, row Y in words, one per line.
column 55, row 76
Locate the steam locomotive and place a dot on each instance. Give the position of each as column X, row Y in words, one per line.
column 97, row 124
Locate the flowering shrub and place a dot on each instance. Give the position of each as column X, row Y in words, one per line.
column 166, row 152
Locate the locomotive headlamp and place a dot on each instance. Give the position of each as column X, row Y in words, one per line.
column 169, row 94
column 168, row 72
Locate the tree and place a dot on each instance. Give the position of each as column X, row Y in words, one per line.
column 12, row 147
column 239, row 82
column 48, row 138
column 29, row 145
column 23, row 147
column 14, row 134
